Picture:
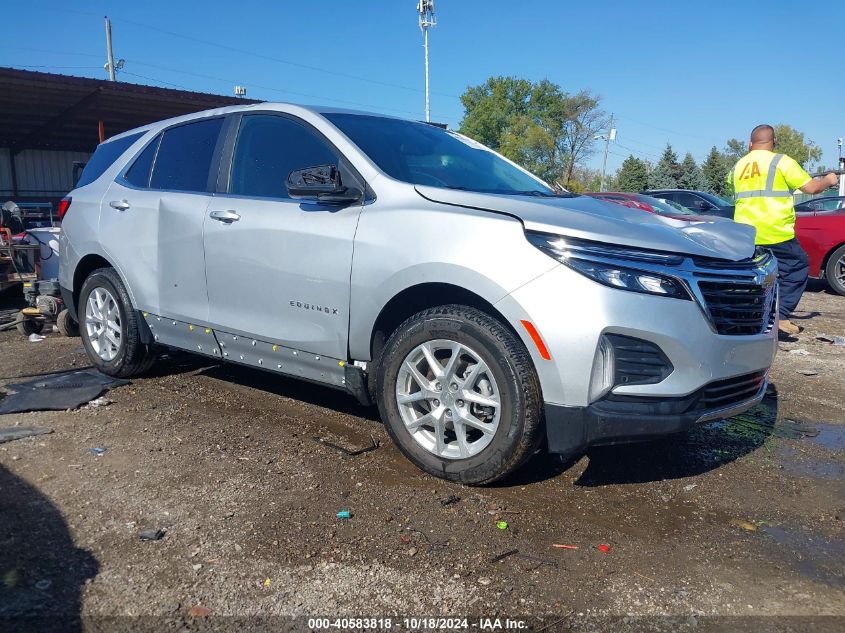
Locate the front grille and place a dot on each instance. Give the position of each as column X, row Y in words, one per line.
column 725, row 393
column 739, row 308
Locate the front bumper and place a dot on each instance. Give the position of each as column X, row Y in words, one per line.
column 623, row 419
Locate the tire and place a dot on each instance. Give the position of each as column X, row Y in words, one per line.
column 67, row 326
column 27, row 325
column 834, row 271
column 129, row 356
column 509, row 433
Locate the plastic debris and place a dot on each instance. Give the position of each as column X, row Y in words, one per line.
column 344, row 514
column 151, row 534
column 404, row 539
column 352, row 452
column 502, row 525
column 97, row 450
column 199, row 611
column 100, row 402
column 604, row 548
column 20, row 432
column 484, row 581
column 451, row 499
column 834, row 340
column 689, row 487
column 808, row 372
column 34, row 338
column 412, row 551
column 745, row 525
column 563, row 546
column 267, row 582
column 799, row 352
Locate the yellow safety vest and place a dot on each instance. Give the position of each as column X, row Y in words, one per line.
column 763, row 183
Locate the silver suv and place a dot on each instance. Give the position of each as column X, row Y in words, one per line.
column 485, row 313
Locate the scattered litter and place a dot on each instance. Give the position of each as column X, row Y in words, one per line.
column 100, row 402
column 34, row 338
column 502, row 525
column 504, row 555
column 562, row 546
column 267, row 582
column 834, row 340
column 451, row 499
column 427, row 539
column 484, row 581
column 97, row 450
column 349, row 451
column 11, row 578
column 799, row 352
column 808, row 372
column 604, row 548
column 199, row 611
column 43, row 585
column 151, row 534
column 745, row 525
column 57, row 392
column 344, row 514
column 404, row 539
column 20, row 432
column 196, row 567
column 689, row 487
column 412, row 551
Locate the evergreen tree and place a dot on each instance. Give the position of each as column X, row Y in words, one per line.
column 690, row 176
column 666, row 174
column 633, row 175
column 715, row 171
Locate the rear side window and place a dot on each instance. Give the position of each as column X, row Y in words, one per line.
column 184, row 156
column 139, row 174
column 104, row 157
column 268, row 149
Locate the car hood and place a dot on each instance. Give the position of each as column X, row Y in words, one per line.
column 592, row 219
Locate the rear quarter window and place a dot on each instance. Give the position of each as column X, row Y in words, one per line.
column 104, row 157
column 184, row 156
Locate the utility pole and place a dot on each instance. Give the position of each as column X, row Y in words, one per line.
column 425, row 8
column 110, row 64
column 610, row 136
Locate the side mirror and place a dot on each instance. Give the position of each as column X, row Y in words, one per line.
column 321, row 183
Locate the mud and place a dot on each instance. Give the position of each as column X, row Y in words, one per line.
column 743, row 517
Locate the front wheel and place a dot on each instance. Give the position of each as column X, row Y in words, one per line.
column 109, row 326
column 459, row 395
column 835, row 270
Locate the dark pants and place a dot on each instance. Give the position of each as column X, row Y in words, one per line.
column 793, row 268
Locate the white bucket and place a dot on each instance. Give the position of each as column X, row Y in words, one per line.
column 48, row 238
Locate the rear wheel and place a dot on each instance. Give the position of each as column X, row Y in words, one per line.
column 835, row 270
column 459, row 395
column 109, row 326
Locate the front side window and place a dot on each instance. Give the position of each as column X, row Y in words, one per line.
column 423, row 154
column 104, row 157
column 268, row 149
column 184, row 156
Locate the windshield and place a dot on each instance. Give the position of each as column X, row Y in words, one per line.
column 667, row 207
column 423, row 154
column 717, row 200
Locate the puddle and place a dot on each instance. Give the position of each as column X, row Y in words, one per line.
column 796, row 464
column 831, row 436
column 817, row 558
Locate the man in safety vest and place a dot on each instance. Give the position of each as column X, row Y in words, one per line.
column 763, row 182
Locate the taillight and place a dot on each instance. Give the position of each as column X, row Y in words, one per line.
column 64, row 205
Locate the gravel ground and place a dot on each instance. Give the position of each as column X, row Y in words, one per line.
column 743, row 517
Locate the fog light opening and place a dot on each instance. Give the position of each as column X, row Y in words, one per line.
column 601, row 379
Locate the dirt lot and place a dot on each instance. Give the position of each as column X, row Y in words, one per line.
column 744, row 517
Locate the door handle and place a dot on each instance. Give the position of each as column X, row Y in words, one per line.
column 120, row 205
column 227, row 217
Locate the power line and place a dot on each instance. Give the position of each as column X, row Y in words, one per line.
column 663, row 129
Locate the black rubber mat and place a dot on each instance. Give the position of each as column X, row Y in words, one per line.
column 57, row 392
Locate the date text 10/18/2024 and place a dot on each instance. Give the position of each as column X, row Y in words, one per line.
column 421, row 623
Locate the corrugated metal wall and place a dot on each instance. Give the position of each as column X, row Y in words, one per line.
column 39, row 172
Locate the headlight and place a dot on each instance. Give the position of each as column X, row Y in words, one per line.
column 598, row 262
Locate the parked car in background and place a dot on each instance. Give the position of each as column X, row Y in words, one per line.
column 647, row 203
column 820, row 228
column 416, row 269
column 699, row 202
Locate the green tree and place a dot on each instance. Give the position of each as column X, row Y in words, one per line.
column 689, row 175
column 792, row 143
column 715, row 171
column 666, row 173
column 734, row 150
column 538, row 125
column 633, row 175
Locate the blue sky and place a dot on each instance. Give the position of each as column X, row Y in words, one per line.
column 691, row 73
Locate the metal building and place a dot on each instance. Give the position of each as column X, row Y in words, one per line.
column 48, row 122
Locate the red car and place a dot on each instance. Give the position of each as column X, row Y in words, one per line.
column 820, row 227
column 647, row 203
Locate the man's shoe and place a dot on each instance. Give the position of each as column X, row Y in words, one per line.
column 788, row 327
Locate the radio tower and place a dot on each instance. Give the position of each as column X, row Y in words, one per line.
column 426, row 10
